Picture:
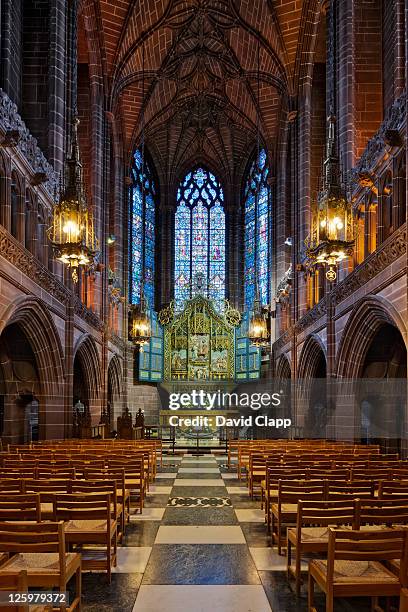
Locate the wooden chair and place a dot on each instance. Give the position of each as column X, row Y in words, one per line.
column 39, row 550
column 393, row 489
column 89, row 522
column 103, row 486
column 284, row 512
column 53, row 472
column 47, row 489
column 354, row 566
column 20, row 507
column 123, row 494
column 342, row 490
column 17, row 583
column 11, row 485
column 403, row 600
column 311, row 534
column 134, row 479
column 269, row 488
column 381, row 512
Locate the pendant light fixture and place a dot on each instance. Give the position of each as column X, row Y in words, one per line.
column 140, row 330
column 71, row 233
column 258, row 333
column 333, row 236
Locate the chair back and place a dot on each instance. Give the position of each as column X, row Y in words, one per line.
column 381, row 512
column 32, row 537
column 291, row 491
column 20, row 507
column 392, row 489
column 378, row 545
column 326, row 513
column 16, row 583
column 356, row 489
column 82, row 506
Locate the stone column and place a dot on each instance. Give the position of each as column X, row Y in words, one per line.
column 57, row 79
column 345, row 82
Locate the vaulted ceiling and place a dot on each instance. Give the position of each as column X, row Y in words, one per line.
column 201, row 75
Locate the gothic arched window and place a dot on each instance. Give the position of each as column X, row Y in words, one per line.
column 142, row 229
column 257, row 232
column 199, row 239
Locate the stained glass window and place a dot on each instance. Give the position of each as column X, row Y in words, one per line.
column 257, row 231
column 142, row 228
column 200, row 239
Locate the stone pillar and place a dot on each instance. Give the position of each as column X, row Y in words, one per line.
column 57, row 87
column 345, row 82
column 166, row 271
column 302, row 216
column 69, row 368
column 399, row 49
column 5, row 208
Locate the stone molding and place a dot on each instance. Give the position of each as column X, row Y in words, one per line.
column 12, row 123
column 19, row 257
column 393, row 248
column 376, row 146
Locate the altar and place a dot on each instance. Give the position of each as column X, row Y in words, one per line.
column 200, row 344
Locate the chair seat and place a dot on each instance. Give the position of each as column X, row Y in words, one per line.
column 310, row 534
column 374, row 527
column 285, row 509
column 91, row 525
column 38, row 563
column 357, row 571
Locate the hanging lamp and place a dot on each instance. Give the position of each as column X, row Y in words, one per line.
column 71, row 233
column 140, row 330
column 332, row 226
column 332, row 237
column 258, row 333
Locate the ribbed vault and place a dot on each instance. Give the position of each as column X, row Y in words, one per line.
column 201, row 75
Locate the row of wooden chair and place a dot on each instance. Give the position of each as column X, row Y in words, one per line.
column 79, row 464
column 258, row 466
column 132, row 472
column 313, row 519
column 91, row 520
column 255, row 468
column 282, row 507
column 239, row 450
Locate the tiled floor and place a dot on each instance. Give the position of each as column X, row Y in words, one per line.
column 200, row 545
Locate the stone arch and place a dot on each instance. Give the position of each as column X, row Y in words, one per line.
column 312, row 353
column 283, row 368
column 312, row 408
column 363, row 324
column 114, row 389
column 32, row 316
column 86, row 352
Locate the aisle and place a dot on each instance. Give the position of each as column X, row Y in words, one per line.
column 199, row 546
column 200, row 559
